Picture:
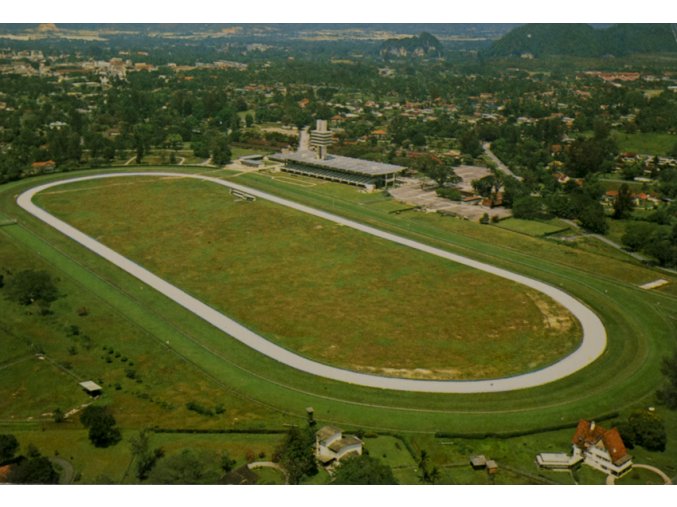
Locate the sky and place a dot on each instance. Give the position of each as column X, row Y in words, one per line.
column 340, row 11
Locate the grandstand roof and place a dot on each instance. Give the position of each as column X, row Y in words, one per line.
column 339, row 163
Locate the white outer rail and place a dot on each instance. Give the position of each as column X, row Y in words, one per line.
column 592, row 346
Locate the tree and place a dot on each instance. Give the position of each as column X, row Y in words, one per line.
column 218, row 147
column 593, row 218
column 489, row 185
column 470, row 144
column 227, row 463
column 528, row 207
column 440, row 174
column 363, row 470
column 295, row 454
column 144, row 457
column 8, row 447
column 185, row 468
column 668, row 394
column 173, row 141
column 428, row 475
column 484, row 186
column 590, row 156
column 646, row 429
column 101, row 424
column 29, row 286
column 35, row 470
column 637, row 235
column 623, row 204
column 58, row 415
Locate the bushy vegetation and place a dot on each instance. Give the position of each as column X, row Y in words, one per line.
column 103, row 431
column 29, row 286
column 363, row 470
column 296, row 455
column 644, row 428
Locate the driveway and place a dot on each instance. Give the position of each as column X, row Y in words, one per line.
column 592, row 345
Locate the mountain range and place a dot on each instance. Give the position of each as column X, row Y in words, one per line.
column 583, row 40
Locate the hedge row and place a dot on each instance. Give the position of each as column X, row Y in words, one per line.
column 258, row 431
column 520, row 433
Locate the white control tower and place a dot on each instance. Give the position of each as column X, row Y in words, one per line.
column 320, row 138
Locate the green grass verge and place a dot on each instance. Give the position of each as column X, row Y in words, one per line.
column 533, row 227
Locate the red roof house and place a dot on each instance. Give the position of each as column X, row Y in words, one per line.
column 601, row 448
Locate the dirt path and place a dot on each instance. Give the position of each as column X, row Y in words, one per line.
column 269, row 464
column 67, row 473
column 592, row 346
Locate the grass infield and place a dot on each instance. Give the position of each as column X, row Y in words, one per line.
column 328, row 292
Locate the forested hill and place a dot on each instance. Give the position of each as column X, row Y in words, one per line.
column 584, row 40
column 425, row 45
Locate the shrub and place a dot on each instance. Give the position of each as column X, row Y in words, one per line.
column 200, row 409
column 102, row 426
column 27, row 287
column 453, row 194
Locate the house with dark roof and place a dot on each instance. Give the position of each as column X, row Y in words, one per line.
column 601, row 448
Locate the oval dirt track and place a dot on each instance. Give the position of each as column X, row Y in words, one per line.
column 592, row 346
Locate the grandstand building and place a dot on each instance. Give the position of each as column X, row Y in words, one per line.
column 319, row 164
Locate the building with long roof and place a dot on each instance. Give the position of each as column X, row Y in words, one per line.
column 318, row 163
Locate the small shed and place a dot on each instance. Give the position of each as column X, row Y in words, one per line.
column 492, row 467
column 478, row 462
column 91, row 388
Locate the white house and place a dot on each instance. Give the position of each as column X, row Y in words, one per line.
column 332, row 446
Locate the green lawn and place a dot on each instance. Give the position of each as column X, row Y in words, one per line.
column 649, row 143
column 362, row 303
column 390, row 450
column 108, row 344
column 639, row 477
column 269, row 477
column 237, row 152
column 91, row 465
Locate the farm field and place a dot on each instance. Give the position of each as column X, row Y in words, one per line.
column 639, row 325
column 408, row 314
column 650, row 143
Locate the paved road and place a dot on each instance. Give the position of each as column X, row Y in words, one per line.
column 592, row 346
column 67, row 473
column 500, row 165
column 606, row 240
column 611, row 480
